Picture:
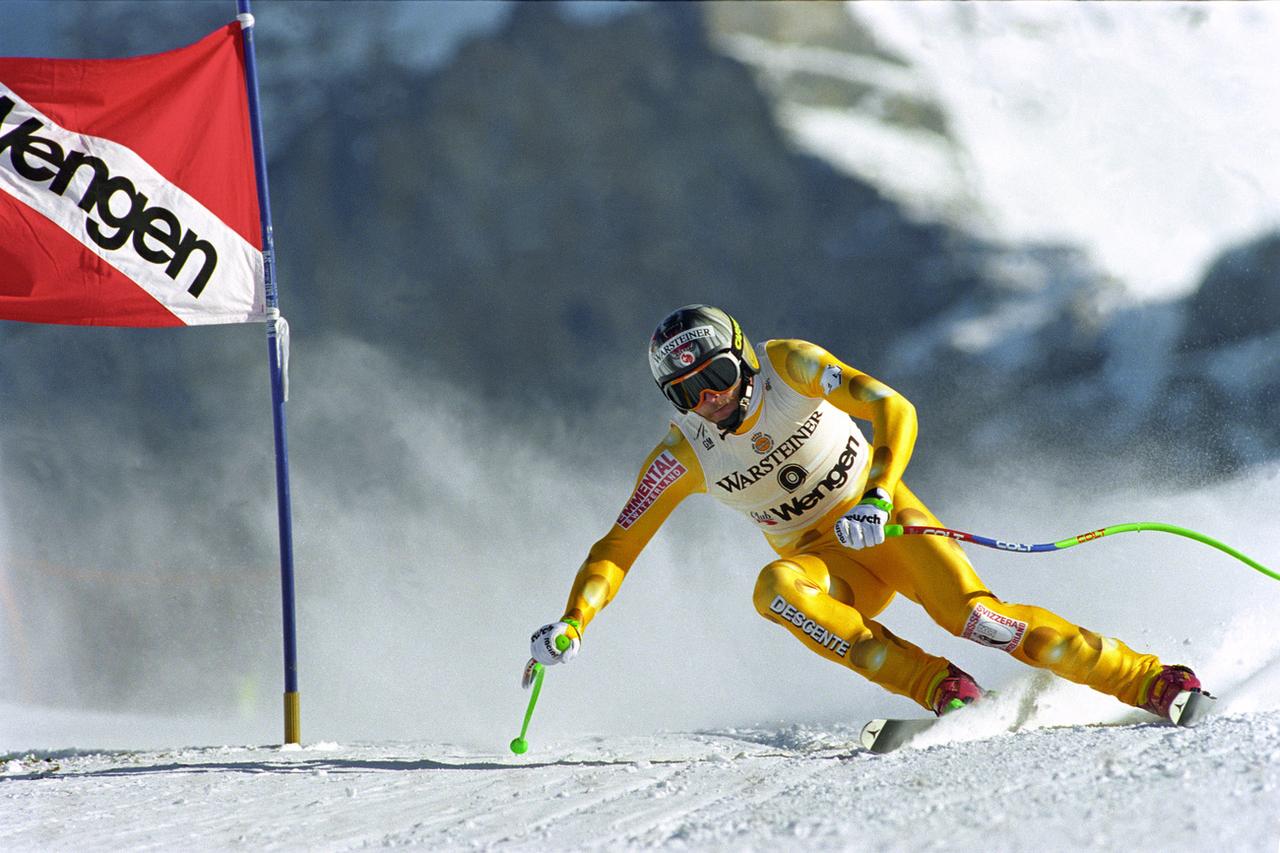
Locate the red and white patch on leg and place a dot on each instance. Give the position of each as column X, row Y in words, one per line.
column 989, row 628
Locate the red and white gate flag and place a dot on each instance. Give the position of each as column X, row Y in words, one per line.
column 127, row 189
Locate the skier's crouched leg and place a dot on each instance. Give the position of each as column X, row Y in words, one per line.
column 794, row 593
column 1044, row 639
column 1031, row 634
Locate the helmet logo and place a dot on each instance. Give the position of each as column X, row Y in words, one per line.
column 686, row 357
column 680, row 340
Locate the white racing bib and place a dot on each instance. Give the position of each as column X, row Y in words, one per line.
column 800, row 458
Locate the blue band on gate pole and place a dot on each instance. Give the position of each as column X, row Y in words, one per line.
column 284, row 500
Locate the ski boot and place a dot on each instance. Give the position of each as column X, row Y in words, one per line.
column 955, row 689
column 1166, row 688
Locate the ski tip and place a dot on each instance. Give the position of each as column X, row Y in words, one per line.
column 1189, row 707
column 881, row 736
column 870, row 732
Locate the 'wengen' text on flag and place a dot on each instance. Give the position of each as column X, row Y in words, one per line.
column 97, row 233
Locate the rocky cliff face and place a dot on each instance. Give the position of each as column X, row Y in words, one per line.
column 1045, row 345
column 1239, row 297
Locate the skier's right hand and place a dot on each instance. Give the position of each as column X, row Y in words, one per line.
column 863, row 526
column 555, row 643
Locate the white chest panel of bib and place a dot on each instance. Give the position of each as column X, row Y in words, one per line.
column 800, row 458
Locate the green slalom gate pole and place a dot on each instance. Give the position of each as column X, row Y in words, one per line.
column 1020, row 548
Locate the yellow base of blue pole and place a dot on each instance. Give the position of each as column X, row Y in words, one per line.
column 292, row 718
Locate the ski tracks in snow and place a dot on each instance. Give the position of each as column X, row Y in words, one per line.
column 813, row 788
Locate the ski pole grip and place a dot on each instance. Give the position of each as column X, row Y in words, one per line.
column 563, row 642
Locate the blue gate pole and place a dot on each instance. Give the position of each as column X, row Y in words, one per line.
column 277, row 332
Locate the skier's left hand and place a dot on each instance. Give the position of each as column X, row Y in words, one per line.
column 863, row 526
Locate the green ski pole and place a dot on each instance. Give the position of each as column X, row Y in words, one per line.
column 520, row 746
column 533, row 672
column 1018, row 547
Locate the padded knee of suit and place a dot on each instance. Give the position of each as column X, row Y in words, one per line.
column 868, row 654
column 840, row 591
column 781, row 577
column 1046, row 646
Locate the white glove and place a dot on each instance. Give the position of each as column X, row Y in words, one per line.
column 863, row 526
column 555, row 643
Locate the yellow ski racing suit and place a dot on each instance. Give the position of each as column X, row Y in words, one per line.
column 795, row 465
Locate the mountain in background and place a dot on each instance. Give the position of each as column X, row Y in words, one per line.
column 842, row 94
column 1047, row 343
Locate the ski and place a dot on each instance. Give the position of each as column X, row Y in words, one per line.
column 1189, row 707
column 881, row 736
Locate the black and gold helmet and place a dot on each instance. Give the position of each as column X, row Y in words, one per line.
column 699, row 349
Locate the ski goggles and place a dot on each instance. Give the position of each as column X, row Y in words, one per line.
column 715, row 377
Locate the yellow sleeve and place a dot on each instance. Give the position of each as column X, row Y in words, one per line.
column 669, row 475
column 814, row 372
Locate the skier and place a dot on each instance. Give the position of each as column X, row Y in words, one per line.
column 767, row 431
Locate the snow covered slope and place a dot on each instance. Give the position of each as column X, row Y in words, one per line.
column 1138, row 786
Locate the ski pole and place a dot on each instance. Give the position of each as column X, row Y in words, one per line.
column 533, row 675
column 534, row 671
column 1003, row 545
